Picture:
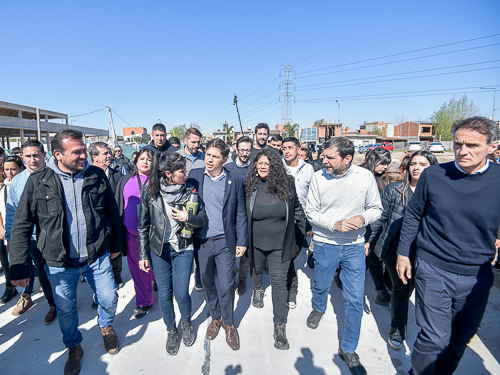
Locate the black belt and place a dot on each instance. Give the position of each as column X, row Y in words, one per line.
column 216, row 238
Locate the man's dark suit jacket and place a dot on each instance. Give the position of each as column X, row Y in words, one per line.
column 114, row 178
column 234, row 214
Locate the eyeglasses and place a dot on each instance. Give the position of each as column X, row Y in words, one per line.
column 244, row 151
column 262, row 164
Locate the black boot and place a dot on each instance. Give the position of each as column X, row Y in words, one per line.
column 280, row 340
column 8, row 294
column 383, row 298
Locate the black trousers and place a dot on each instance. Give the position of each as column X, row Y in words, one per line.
column 376, row 268
column 4, row 260
column 116, row 264
column 244, row 266
column 401, row 293
column 278, row 272
column 449, row 309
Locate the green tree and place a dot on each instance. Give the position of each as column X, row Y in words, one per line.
column 140, row 139
column 377, row 131
column 291, row 129
column 178, row 131
column 319, row 122
column 230, row 134
column 451, row 111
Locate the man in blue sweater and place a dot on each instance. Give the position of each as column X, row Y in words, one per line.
column 456, row 224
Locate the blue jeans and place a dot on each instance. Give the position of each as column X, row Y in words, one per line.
column 172, row 272
column 64, row 282
column 352, row 258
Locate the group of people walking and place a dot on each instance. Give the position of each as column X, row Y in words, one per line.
column 182, row 211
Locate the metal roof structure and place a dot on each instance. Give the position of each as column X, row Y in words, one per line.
column 21, row 121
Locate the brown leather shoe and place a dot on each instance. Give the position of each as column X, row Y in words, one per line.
column 111, row 342
column 213, row 328
column 23, row 304
column 231, row 336
column 242, row 288
column 51, row 316
column 72, row 366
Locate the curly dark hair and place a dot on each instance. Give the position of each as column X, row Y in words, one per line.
column 278, row 182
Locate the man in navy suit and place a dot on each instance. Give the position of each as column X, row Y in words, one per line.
column 225, row 236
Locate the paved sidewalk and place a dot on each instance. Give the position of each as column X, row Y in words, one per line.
column 27, row 346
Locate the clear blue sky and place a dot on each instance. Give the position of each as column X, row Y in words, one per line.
column 181, row 61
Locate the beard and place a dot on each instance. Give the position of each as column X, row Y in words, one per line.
column 337, row 171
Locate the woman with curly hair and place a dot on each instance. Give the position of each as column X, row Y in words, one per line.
column 274, row 214
column 385, row 236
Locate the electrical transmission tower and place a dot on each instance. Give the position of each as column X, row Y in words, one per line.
column 289, row 87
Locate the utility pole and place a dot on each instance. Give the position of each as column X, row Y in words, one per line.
column 39, row 131
column 338, row 120
column 289, row 87
column 113, row 134
column 494, row 99
column 235, row 102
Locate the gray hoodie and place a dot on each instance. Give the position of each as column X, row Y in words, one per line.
column 72, row 186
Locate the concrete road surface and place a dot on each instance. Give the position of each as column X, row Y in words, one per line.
column 27, row 346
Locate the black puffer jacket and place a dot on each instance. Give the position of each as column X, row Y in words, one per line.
column 153, row 222
column 388, row 227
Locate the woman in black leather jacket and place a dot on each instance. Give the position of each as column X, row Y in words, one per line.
column 276, row 226
column 162, row 217
column 395, row 198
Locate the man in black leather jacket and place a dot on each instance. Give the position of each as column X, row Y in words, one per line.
column 77, row 225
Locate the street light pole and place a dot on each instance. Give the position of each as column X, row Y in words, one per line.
column 338, row 119
column 494, row 99
column 235, row 102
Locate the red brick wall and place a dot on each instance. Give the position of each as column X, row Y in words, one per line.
column 136, row 130
column 407, row 129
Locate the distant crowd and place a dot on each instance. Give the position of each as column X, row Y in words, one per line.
column 225, row 211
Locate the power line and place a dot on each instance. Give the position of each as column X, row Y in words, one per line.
column 398, row 54
column 422, row 76
column 88, row 113
column 230, row 113
column 403, row 60
column 392, row 97
column 317, row 86
column 408, row 36
column 121, row 118
column 404, row 94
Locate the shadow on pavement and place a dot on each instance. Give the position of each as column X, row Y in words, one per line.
column 305, row 364
column 234, row 370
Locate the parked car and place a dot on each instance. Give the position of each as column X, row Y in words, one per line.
column 387, row 146
column 435, row 147
column 414, row 146
column 366, row 148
